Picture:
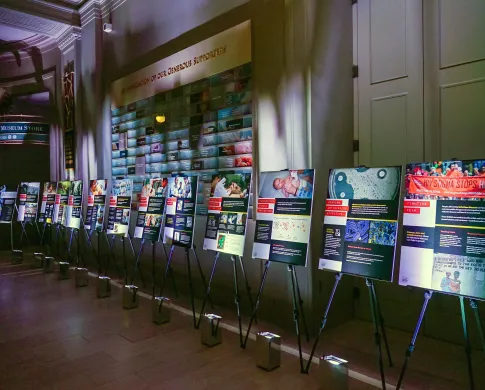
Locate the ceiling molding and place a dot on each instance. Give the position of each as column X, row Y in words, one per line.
column 67, row 41
column 32, row 23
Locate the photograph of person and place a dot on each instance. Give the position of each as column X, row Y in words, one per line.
column 122, row 188
column 152, row 220
column 287, row 184
column 234, row 185
column 181, row 187
column 97, row 187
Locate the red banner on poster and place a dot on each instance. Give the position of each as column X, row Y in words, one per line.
column 455, row 187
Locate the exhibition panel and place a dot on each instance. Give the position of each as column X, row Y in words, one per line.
column 361, row 221
column 60, row 204
column 228, row 211
column 443, row 246
column 48, row 201
column 74, row 205
column 120, row 207
column 7, row 204
column 284, row 213
column 180, row 211
column 151, row 208
column 28, row 202
column 96, row 206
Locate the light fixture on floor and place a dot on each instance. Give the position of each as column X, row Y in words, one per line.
column 160, row 118
column 334, row 372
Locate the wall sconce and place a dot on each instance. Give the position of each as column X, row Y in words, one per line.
column 160, row 118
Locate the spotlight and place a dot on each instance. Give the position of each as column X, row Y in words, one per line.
column 107, row 27
column 160, row 118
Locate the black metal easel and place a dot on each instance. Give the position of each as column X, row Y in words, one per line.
column 137, row 258
column 297, row 308
column 111, row 245
column 136, row 266
column 189, row 272
column 468, row 350
column 236, row 291
column 377, row 320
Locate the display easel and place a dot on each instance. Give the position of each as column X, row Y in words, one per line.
column 96, row 252
column 468, row 351
column 189, row 272
column 377, row 320
column 111, row 246
column 297, row 308
column 137, row 260
column 236, row 291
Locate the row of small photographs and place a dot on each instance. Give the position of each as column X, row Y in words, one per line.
column 452, row 168
column 235, row 75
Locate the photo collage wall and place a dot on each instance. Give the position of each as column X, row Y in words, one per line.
column 198, row 129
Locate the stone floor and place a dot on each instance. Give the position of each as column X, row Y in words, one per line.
column 53, row 336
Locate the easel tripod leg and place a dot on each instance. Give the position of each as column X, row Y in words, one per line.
column 256, row 305
column 191, row 286
column 208, row 290
column 236, row 299
column 324, row 322
column 474, row 306
column 164, row 280
column 381, row 322
column 412, row 344
column 468, row 348
column 134, row 254
column 136, row 266
column 296, row 314
column 300, row 303
column 377, row 335
column 172, row 276
column 248, row 287
column 194, row 249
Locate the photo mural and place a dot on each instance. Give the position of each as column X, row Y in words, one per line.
column 191, row 117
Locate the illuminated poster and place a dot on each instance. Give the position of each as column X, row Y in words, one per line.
column 180, row 211
column 48, row 201
column 96, row 205
column 28, row 202
column 62, row 196
column 228, row 211
column 120, row 207
column 7, row 204
column 443, row 246
column 73, row 213
column 150, row 211
column 361, row 222
column 284, row 213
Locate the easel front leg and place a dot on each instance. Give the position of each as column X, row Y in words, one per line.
column 412, row 344
column 296, row 316
column 377, row 335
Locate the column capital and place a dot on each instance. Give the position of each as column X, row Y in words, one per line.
column 67, row 40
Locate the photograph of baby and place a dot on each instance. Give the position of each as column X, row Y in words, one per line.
column 287, row 184
column 234, row 185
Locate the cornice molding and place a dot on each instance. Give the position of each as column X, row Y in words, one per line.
column 32, row 23
column 67, row 40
